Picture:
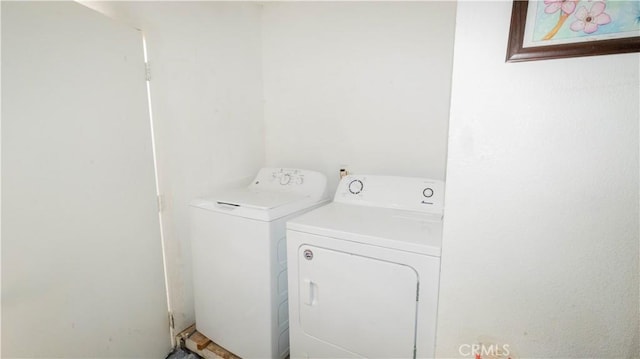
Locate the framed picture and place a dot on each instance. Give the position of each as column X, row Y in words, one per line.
column 552, row 29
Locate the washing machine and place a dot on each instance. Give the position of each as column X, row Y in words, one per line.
column 364, row 270
column 239, row 259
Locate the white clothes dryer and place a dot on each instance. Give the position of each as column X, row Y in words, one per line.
column 239, row 260
column 364, row 270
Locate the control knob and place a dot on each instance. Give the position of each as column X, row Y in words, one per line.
column 285, row 179
column 356, row 186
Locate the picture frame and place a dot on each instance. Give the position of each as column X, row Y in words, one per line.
column 585, row 46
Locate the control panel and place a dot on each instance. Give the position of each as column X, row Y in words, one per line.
column 409, row 193
column 292, row 180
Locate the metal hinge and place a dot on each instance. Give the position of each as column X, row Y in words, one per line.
column 172, row 323
column 147, row 71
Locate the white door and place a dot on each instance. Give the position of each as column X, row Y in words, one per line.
column 363, row 305
column 82, row 272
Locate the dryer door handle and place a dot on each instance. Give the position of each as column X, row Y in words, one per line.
column 309, row 292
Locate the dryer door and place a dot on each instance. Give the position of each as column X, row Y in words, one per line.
column 363, row 305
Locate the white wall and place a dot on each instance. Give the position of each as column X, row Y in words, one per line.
column 82, row 271
column 540, row 247
column 362, row 84
column 207, row 104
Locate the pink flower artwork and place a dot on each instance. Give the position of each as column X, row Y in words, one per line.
column 567, row 6
column 589, row 21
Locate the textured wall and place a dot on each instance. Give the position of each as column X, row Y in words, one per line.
column 540, row 246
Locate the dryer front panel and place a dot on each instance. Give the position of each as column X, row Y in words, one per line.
column 363, row 305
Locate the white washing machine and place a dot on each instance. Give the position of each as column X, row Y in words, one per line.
column 364, row 270
column 239, row 260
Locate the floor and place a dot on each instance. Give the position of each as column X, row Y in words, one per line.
column 194, row 342
column 180, row 353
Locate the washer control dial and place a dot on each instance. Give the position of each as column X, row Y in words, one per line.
column 427, row 192
column 355, row 186
column 285, row 179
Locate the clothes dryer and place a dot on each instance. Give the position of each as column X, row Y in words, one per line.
column 364, row 270
column 239, row 260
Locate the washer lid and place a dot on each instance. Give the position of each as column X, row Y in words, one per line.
column 274, row 193
column 260, row 205
column 255, row 199
column 410, row 231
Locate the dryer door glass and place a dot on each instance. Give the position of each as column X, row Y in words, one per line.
column 363, row 305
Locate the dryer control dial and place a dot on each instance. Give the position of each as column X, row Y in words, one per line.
column 428, row 192
column 356, row 186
